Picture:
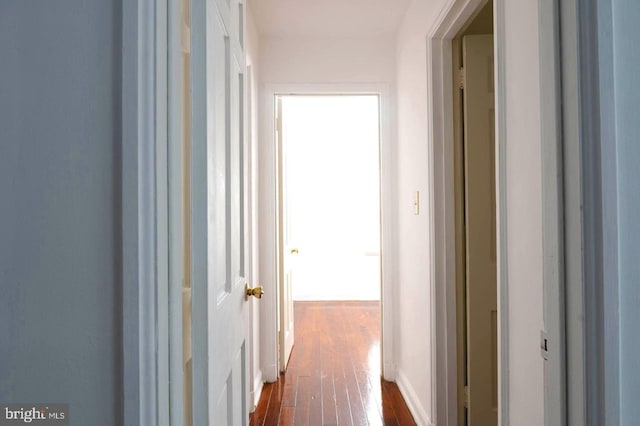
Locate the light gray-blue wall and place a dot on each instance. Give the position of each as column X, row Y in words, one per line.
column 626, row 41
column 60, row 226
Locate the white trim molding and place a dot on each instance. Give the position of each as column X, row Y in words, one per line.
column 254, row 394
column 413, row 401
column 139, row 215
column 591, row 213
column 175, row 212
column 453, row 16
column 499, row 24
column 269, row 214
column 552, row 213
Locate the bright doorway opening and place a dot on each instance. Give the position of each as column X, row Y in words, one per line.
column 331, row 189
column 329, row 205
column 333, row 247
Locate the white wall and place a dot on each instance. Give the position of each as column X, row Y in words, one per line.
column 523, row 218
column 413, row 348
column 327, row 60
column 253, row 49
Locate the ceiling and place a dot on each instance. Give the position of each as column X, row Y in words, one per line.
column 328, row 18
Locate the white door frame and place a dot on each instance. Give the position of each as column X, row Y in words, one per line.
column 253, row 346
column 453, row 16
column 553, row 337
column 579, row 213
column 591, row 213
column 144, row 228
column 451, row 19
column 151, row 214
column 174, row 208
column 269, row 216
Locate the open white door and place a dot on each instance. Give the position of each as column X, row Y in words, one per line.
column 287, row 248
column 219, row 245
column 480, row 202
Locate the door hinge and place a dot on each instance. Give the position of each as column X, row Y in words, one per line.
column 465, row 397
column 461, row 79
column 544, row 345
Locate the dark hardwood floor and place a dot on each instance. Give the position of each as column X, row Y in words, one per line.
column 333, row 376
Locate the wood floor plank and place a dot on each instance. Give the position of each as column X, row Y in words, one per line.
column 315, row 383
column 258, row 416
column 358, row 413
column 289, row 393
column 275, row 404
column 343, row 410
column 333, row 375
column 301, row 416
column 388, row 413
column 287, row 417
column 329, row 411
column 399, row 405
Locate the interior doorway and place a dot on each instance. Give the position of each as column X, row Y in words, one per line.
column 475, row 221
column 329, row 204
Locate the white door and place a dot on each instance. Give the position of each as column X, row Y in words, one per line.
column 218, row 214
column 480, row 230
column 287, row 248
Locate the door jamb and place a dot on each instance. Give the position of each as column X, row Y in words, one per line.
column 268, row 221
column 553, row 337
column 174, row 208
column 453, row 16
column 144, row 244
column 590, row 213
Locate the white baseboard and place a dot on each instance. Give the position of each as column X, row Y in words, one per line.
column 254, row 396
column 270, row 373
column 389, row 372
column 413, row 402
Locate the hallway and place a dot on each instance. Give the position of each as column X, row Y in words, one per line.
column 333, row 376
column 141, row 225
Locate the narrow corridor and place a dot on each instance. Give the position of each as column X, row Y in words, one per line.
column 333, row 376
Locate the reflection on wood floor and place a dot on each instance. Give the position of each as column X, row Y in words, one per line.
column 333, row 376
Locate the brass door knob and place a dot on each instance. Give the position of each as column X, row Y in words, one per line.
column 256, row 292
column 294, row 251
